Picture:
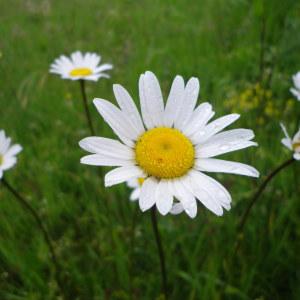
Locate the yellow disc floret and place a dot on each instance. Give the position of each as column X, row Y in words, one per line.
column 1, row 159
column 81, row 72
column 164, row 153
column 296, row 146
column 141, row 181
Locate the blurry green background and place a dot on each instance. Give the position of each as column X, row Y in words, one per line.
column 244, row 53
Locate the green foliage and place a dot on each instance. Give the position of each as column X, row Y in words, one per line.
column 104, row 243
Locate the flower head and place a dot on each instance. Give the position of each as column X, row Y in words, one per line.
column 292, row 144
column 80, row 66
column 296, row 89
column 8, row 153
column 170, row 146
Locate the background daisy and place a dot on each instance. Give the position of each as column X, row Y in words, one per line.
column 171, row 146
column 292, row 144
column 296, row 89
column 80, row 66
column 8, row 153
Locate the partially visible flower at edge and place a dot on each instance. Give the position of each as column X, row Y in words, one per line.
column 296, row 89
column 291, row 144
column 80, row 66
column 8, row 153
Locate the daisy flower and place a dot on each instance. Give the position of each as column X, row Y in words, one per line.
column 170, row 146
column 80, row 66
column 8, row 153
column 291, row 144
column 296, row 89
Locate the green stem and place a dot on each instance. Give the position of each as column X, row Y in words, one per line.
column 160, row 252
column 42, row 228
column 86, row 107
column 258, row 194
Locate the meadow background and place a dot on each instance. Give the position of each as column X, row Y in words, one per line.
column 244, row 53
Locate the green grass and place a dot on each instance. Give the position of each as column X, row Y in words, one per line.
column 104, row 243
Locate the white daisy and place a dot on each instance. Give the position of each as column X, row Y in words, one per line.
column 171, row 146
column 80, row 66
column 296, row 89
column 8, row 153
column 292, row 144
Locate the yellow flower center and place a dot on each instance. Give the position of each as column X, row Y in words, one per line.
column 296, row 146
column 164, row 153
column 1, row 159
column 141, row 181
column 81, row 72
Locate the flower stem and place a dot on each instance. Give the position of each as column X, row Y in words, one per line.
column 86, row 107
column 258, row 193
column 160, row 252
column 41, row 226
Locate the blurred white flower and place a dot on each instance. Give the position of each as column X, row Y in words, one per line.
column 80, row 66
column 170, row 146
column 292, row 144
column 8, row 153
column 296, row 89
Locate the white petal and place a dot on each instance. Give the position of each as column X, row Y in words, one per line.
column 135, row 195
column 2, row 138
column 77, row 58
column 296, row 138
column 201, row 115
column 221, row 193
column 287, row 143
column 5, row 145
column 107, row 147
column 147, row 196
column 155, row 104
column 122, row 174
column 103, row 68
column 176, row 209
column 296, row 93
column 185, row 197
column 296, row 80
column 128, row 107
column 224, row 166
column 296, row 156
column 285, row 131
column 101, row 75
column 174, row 102
column 234, row 134
column 215, row 127
column 93, row 77
column 225, row 142
column 204, row 193
column 133, row 183
column 103, row 160
column 214, row 188
column 164, row 199
column 117, row 121
column 146, row 113
column 14, row 150
column 191, row 93
column 8, row 162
